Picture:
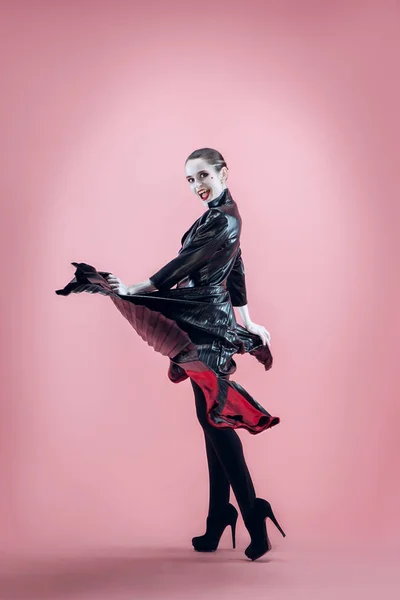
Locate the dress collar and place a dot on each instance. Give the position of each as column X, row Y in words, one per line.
column 224, row 198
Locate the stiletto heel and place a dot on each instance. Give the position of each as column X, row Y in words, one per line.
column 275, row 522
column 233, row 526
column 216, row 525
column 256, row 526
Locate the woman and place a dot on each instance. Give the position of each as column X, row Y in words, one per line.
column 195, row 326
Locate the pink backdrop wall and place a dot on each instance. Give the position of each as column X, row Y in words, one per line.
column 101, row 104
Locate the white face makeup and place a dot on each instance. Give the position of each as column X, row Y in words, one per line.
column 204, row 179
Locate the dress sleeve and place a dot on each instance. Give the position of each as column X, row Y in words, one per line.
column 236, row 282
column 208, row 238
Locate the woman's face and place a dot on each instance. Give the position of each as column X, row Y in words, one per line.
column 204, row 179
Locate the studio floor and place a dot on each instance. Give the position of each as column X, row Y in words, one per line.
column 286, row 572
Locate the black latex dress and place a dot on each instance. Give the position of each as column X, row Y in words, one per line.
column 194, row 323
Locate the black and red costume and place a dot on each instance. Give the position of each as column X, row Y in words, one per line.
column 194, row 323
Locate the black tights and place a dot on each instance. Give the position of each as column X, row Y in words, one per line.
column 226, row 463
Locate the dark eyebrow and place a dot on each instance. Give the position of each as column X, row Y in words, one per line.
column 202, row 171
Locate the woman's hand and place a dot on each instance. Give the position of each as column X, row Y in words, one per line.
column 260, row 331
column 117, row 285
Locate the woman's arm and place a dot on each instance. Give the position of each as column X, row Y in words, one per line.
column 143, row 286
column 244, row 314
column 208, row 238
column 236, row 283
column 253, row 327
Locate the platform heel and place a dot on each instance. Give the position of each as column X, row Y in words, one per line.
column 256, row 526
column 216, row 525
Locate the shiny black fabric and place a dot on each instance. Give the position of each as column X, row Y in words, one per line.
column 194, row 324
column 210, row 253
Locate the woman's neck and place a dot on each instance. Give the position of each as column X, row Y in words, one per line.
column 219, row 200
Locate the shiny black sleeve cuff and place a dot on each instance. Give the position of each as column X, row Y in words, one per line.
column 236, row 282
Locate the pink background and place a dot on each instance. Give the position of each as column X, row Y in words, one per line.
column 101, row 104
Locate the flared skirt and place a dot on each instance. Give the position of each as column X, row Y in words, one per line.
column 195, row 327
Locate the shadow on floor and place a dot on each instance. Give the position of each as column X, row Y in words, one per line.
column 164, row 573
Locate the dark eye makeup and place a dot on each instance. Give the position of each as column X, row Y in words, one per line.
column 190, row 179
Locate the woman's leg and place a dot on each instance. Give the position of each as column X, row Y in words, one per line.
column 218, row 482
column 227, row 447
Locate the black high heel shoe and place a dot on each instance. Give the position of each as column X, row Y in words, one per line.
column 256, row 526
column 215, row 528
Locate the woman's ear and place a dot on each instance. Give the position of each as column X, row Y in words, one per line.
column 224, row 174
